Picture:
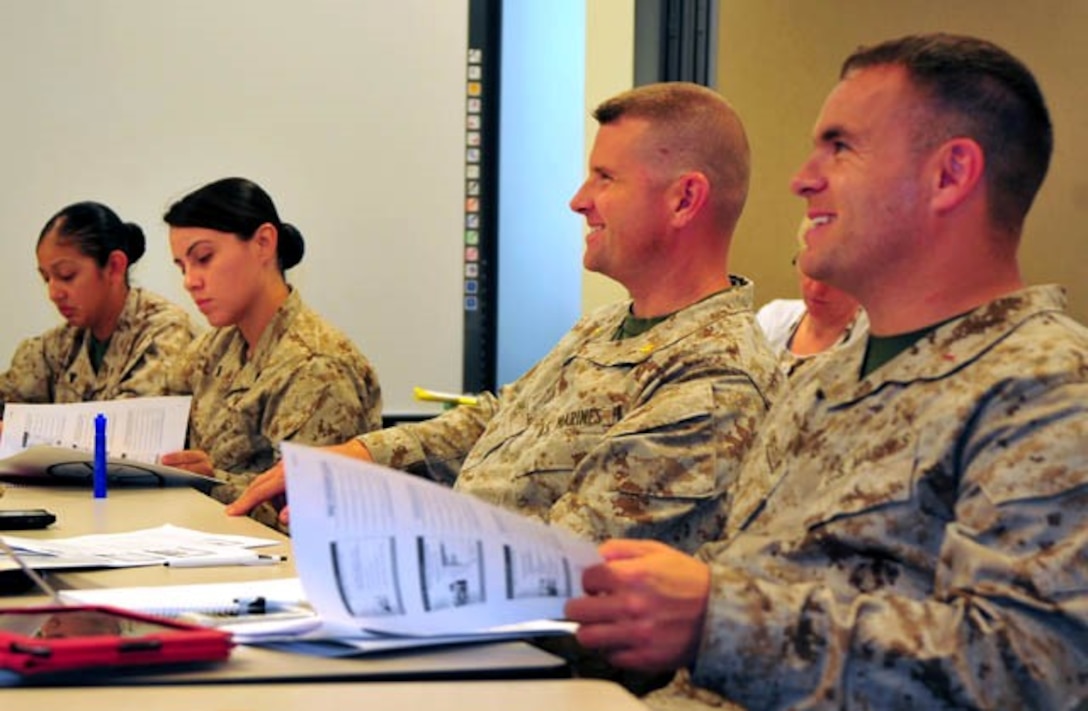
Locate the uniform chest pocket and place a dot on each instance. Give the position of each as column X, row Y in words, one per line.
column 499, row 431
column 870, row 492
column 549, row 435
column 685, row 405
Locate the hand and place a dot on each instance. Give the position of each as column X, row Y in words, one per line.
column 264, row 487
column 273, row 483
column 645, row 605
column 191, row 460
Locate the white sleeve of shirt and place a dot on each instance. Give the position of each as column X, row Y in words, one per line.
column 779, row 319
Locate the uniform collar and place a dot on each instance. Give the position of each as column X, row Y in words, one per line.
column 944, row 350
column 737, row 299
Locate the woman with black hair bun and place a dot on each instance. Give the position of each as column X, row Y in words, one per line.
column 117, row 340
column 271, row 369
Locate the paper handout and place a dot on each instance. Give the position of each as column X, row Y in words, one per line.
column 54, row 443
column 384, row 552
column 148, row 546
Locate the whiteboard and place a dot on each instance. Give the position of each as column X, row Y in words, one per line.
column 350, row 113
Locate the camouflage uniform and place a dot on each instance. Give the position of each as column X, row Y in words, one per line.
column 636, row 438
column 923, row 543
column 56, row 366
column 306, row 382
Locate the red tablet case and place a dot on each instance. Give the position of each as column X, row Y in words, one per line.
column 31, row 657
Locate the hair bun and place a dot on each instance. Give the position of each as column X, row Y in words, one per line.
column 135, row 242
column 290, row 247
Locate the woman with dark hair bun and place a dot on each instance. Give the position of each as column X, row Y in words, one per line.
column 117, row 340
column 271, row 369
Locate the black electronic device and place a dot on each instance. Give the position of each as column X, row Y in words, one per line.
column 24, row 519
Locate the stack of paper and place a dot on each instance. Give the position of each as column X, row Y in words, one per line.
column 163, row 545
column 254, row 609
column 388, row 561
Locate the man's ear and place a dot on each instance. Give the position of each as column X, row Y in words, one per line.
column 687, row 196
column 960, row 164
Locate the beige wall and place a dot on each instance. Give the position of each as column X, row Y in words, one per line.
column 779, row 58
column 610, row 58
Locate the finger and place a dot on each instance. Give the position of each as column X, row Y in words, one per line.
column 195, row 462
column 262, row 477
column 639, row 658
column 201, row 464
column 180, row 458
column 606, row 638
column 626, row 571
column 589, row 610
column 599, row 579
column 285, row 515
column 261, row 489
column 629, row 645
column 620, row 548
column 245, row 503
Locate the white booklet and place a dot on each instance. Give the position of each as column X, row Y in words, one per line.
column 384, row 553
column 54, row 443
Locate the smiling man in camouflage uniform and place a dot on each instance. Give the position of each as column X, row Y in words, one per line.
column 636, row 422
column 910, row 530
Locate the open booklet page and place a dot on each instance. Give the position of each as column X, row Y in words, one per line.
column 141, row 429
column 386, row 552
column 55, row 442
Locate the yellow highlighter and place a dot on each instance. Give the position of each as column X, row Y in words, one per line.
column 449, row 399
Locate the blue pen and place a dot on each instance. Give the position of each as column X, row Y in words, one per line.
column 100, row 456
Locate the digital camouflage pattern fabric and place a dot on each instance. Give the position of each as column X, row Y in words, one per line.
column 638, row 437
column 55, row 367
column 915, row 540
column 306, row 382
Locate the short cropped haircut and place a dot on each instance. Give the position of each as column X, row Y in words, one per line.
column 692, row 128
column 980, row 91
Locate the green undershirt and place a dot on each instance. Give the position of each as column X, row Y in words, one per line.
column 96, row 350
column 881, row 349
column 634, row 326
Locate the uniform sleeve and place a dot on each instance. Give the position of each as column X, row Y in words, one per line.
column 1006, row 622
column 435, row 448
column 30, row 377
column 662, row 471
column 322, row 404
